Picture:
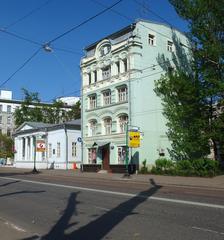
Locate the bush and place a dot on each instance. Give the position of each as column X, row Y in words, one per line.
column 144, row 168
column 197, row 167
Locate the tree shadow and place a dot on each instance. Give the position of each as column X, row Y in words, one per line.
column 20, row 192
column 8, row 183
column 100, row 227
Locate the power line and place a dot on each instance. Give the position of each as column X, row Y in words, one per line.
column 84, row 22
column 27, row 15
column 153, row 12
column 22, row 66
column 131, row 19
column 20, row 37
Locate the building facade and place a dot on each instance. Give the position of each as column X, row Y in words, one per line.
column 8, row 105
column 62, row 146
column 118, row 81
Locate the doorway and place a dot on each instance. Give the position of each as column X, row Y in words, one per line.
column 106, row 157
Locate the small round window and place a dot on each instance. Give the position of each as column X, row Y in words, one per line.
column 105, row 49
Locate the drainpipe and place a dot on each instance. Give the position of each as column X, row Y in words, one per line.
column 66, row 147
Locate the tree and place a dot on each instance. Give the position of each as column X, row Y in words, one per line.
column 32, row 110
column 29, row 109
column 6, row 146
column 202, row 91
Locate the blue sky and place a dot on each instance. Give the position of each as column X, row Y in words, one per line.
column 57, row 73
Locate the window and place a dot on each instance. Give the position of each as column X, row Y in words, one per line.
column 118, row 67
column 89, row 78
column 121, row 154
column 9, row 108
column 169, row 46
column 8, row 120
column 107, row 125
column 125, row 65
column 73, row 149
column 0, row 119
column 151, row 40
column 106, row 72
column 92, row 128
column 58, row 149
column 122, row 94
column 123, row 120
column 0, row 108
column 50, row 150
column 95, row 76
column 107, row 97
column 8, row 132
column 92, row 102
column 92, row 155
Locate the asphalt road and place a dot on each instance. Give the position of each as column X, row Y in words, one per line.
column 58, row 208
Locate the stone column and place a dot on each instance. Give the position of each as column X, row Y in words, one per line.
column 31, row 149
column 121, row 66
column 99, row 74
column 26, row 147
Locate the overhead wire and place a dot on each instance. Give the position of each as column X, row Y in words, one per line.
column 27, row 14
column 84, row 22
column 21, row 67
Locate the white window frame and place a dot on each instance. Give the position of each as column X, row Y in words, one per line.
column 106, row 98
column 92, row 102
column 122, row 94
column 107, row 125
column 151, row 39
column 122, row 120
column 92, row 155
column 58, row 149
column 92, row 128
column 106, row 73
column 74, row 149
column 169, row 46
column 121, row 154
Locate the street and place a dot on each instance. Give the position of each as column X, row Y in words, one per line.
column 48, row 206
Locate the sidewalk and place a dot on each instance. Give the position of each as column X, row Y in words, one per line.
column 214, row 183
column 211, row 183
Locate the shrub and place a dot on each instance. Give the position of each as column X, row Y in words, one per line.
column 197, row 167
column 144, row 168
column 164, row 164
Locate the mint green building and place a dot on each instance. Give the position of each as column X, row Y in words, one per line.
column 118, row 75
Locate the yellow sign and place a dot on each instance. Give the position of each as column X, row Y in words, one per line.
column 134, row 139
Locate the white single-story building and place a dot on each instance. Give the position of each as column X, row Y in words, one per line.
column 57, row 146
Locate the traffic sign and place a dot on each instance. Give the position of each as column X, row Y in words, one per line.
column 40, row 145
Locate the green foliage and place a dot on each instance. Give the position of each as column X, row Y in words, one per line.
column 144, row 168
column 197, row 167
column 192, row 93
column 6, row 146
column 32, row 110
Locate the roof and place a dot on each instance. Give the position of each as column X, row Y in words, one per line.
column 126, row 30
column 39, row 126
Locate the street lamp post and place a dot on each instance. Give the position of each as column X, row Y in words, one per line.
column 126, row 153
column 34, row 161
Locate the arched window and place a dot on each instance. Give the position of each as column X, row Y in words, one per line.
column 92, row 127
column 107, row 125
column 123, row 120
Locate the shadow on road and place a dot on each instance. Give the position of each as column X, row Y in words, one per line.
column 8, row 183
column 100, row 227
column 20, row 192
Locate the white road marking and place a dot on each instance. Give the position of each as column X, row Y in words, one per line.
column 208, row 230
column 210, row 205
column 19, row 229
column 102, row 208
